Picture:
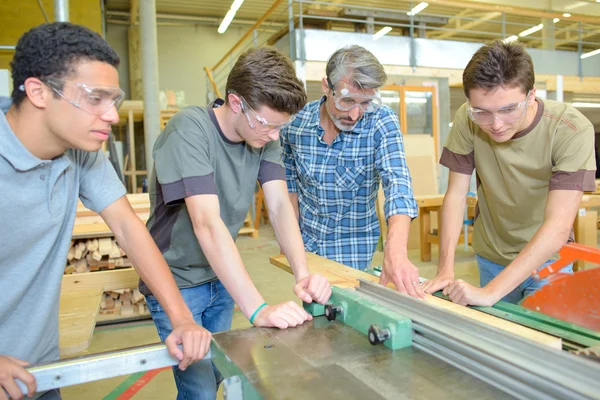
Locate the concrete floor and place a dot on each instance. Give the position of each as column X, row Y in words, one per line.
column 274, row 284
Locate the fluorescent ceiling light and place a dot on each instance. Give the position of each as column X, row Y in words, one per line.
column 383, row 31
column 531, row 30
column 511, row 39
column 230, row 15
column 226, row 21
column 566, row 15
column 418, row 8
column 236, row 4
column 585, row 105
column 590, row 54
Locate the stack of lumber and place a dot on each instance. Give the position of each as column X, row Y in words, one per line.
column 89, row 255
column 123, row 302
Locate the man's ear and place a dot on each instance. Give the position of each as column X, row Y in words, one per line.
column 37, row 93
column 324, row 85
column 533, row 91
column 235, row 103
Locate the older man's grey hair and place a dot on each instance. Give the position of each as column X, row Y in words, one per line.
column 358, row 65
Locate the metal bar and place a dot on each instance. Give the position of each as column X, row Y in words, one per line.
column 7, row 47
column 562, row 374
column 540, row 322
column 580, row 51
column 149, row 47
column 302, row 35
column 95, row 367
column 292, row 30
column 61, row 10
column 43, row 10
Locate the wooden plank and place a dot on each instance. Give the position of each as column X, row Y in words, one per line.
column 342, row 276
column 105, row 280
column 77, row 318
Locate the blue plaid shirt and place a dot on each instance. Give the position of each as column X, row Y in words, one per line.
column 337, row 185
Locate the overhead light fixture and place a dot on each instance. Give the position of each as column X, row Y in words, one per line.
column 383, row 31
column 590, row 54
column 230, row 15
column 555, row 20
column 531, row 30
column 566, row 15
column 418, row 8
column 511, row 39
column 585, row 105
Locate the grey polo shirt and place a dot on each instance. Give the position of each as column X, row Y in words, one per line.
column 38, row 203
column 192, row 156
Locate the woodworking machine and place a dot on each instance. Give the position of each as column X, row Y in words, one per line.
column 367, row 343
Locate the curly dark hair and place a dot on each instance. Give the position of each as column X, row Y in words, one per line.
column 52, row 50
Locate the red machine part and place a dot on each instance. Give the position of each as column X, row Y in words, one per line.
column 573, row 298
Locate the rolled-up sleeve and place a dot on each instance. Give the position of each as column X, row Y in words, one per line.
column 291, row 176
column 390, row 161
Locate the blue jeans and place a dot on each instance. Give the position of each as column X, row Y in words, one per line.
column 212, row 307
column 488, row 270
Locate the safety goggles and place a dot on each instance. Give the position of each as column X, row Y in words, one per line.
column 345, row 99
column 507, row 115
column 257, row 122
column 97, row 100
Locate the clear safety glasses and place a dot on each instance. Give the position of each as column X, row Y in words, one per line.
column 345, row 99
column 507, row 115
column 96, row 100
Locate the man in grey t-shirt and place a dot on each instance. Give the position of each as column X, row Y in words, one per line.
column 206, row 163
column 64, row 102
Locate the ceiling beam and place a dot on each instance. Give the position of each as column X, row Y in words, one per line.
column 529, row 12
column 469, row 25
column 331, row 7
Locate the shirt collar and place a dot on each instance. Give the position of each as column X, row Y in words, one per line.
column 12, row 149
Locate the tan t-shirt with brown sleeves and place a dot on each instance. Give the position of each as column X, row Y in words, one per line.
column 556, row 152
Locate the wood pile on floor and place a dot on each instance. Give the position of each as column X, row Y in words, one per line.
column 89, row 255
column 123, row 302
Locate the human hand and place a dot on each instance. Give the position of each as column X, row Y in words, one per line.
column 403, row 274
column 10, row 369
column 460, row 292
column 313, row 287
column 441, row 281
column 282, row 316
column 194, row 339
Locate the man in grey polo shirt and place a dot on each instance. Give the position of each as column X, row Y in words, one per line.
column 64, row 101
column 206, row 163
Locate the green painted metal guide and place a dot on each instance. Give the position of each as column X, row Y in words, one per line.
column 361, row 314
column 574, row 336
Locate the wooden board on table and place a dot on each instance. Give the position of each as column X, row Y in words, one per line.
column 77, row 318
column 345, row 277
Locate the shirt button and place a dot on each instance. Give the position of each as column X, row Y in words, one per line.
column 43, row 177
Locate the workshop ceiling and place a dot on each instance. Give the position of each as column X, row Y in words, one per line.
column 470, row 17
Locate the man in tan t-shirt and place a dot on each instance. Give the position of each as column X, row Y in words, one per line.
column 533, row 160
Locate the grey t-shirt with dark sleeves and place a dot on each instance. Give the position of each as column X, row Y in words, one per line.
column 38, row 204
column 192, row 157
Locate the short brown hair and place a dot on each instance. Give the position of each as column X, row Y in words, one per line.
column 265, row 77
column 499, row 64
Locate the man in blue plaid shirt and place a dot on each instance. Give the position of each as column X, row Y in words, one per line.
column 336, row 152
